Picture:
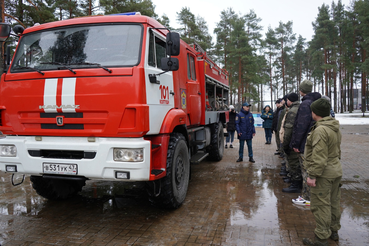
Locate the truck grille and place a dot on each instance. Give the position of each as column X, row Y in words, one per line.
column 62, row 154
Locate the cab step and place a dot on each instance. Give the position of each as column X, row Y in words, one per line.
column 198, row 157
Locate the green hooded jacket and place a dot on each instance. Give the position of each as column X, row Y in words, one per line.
column 288, row 124
column 323, row 149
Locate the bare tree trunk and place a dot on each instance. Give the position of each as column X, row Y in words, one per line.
column 363, row 85
column 283, row 81
column 2, row 43
column 325, row 72
column 270, row 72
column 240, row 87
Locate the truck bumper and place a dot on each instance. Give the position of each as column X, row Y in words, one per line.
column 100, row 166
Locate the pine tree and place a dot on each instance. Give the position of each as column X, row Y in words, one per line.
column 270, row 44
column 286, row 38
column 145, row 7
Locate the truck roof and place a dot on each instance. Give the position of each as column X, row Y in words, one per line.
column 97, row 19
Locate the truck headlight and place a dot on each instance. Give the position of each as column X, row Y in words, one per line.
column 128, row 155
column 8, row 150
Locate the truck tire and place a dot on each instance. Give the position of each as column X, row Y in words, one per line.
column 216, row 148
column 173, row 187
column 56, row 189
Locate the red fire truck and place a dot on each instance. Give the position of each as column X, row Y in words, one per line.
column 116, row 98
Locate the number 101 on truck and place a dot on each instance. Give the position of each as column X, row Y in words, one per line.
column 116, row 98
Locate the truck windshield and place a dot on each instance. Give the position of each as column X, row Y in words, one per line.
column 81, row 46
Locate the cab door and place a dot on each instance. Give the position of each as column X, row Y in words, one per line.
column 159, row 95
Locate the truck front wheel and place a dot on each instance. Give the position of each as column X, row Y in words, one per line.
column 56, row 189
column 216, row 148
column 173, row 187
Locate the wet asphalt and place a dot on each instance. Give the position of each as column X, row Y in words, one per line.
column 227, row 203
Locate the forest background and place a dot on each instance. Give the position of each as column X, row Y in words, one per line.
column 262, row 66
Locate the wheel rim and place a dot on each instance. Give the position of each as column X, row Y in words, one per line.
column 220, row 141
column 179, row 171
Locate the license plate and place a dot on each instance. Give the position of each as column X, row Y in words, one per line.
column 56, row 168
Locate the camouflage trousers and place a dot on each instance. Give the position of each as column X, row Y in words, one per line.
column 325, row 206
column 278, row 141
column 305, row 193
column 294, row 168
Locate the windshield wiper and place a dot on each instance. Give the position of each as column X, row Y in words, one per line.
column 91, row 63
column 30, row 68
column 60, row 64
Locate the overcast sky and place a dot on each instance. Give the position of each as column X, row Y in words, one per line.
column 301, row 12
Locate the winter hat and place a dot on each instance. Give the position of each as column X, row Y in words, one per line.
column 278, row 101
column 285, row 98
column 293, row 97
column 231, row 107
column 306, row 86
column 321, row 107
column 326, row 98
column 245, row 104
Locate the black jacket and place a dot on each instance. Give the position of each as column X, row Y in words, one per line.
column 231, row 125
column 275, row 118
column 303, row 122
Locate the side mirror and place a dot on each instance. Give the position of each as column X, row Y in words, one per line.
column 18, row 29
column 4, row 31
column 173, row 44
column 169, row 64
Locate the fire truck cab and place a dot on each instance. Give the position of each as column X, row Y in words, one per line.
column 115, row 98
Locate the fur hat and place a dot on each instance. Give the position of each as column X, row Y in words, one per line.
column 321, row 107
column 293, row 97
column 306, row 86
column 231, row 107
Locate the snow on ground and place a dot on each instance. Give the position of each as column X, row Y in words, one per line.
column 353, row 118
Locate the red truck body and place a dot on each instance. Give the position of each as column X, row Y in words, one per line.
column 77, row 104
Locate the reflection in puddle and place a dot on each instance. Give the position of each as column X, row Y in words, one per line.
column 258, row 206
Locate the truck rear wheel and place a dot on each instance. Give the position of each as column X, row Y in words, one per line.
column 173, row 187
column 56, row 189
column 217, row 142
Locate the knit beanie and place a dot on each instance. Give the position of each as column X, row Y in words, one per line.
column 285, row 98
column 293, row 97
column 306, row 86
column 321, row 107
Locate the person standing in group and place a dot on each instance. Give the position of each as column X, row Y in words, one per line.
column 245, row 131
column 231, row 126
column 267, row 116
column 322, row 162
column 279, row 135
column 301, row 128
column 292, row 158
column 275, row 122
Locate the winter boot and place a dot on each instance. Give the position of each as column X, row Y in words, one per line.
column 231, row 146
column 334, row 236
column 251, row 160
column 295, row 187
column 315, row 242
column 239, row 159
column 283, row 171
column 226, row 146
column 287, row 180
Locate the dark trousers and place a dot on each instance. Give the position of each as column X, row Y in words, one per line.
column 249, row 147
column 268, row 134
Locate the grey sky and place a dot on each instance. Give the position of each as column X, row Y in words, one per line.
column 301, row 13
